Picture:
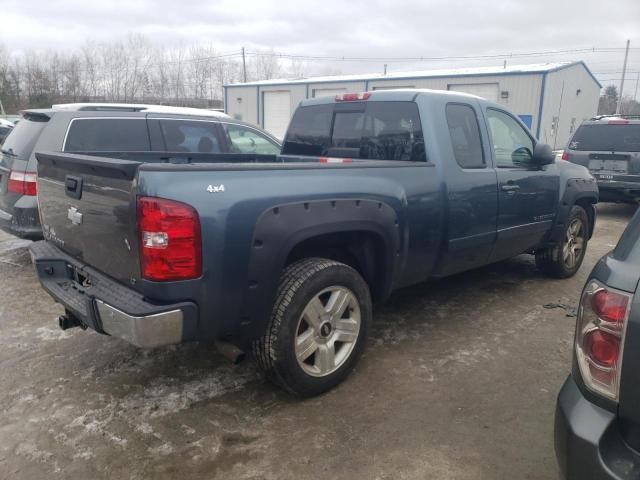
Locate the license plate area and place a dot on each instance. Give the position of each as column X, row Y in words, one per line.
column 613, row 166
column 604, row 176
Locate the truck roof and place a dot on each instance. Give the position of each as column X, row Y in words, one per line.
column 400, row 94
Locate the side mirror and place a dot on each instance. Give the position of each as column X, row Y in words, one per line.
column 543, row 155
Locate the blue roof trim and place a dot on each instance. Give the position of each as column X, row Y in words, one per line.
column 414, row 77
column 540, row 107
column 258, row 102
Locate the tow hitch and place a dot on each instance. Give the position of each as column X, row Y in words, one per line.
column 69, row 320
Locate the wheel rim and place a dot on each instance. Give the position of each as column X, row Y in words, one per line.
column 573, row 248
column 327, row 331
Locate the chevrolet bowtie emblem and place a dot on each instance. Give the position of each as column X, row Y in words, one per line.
column 74, row 215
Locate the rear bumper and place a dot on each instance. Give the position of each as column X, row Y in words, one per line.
column 24, row 221
column 107, row 306
column 588, row 442
column 614, row 191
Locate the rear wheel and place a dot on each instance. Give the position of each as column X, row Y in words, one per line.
column 318, row 327
column 564, row 259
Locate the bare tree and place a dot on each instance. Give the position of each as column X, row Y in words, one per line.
column 130, row 70
column 265, row 66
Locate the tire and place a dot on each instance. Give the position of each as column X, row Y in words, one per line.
column 553, row 261
column 294, row 330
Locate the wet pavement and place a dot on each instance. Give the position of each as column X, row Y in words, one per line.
column 458, row 382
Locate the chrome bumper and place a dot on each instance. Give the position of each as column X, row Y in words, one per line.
column 149, row 331
column 108, row 306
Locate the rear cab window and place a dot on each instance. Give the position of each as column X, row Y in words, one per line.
column 607, row 137
column 362, row 130
column 107, row 135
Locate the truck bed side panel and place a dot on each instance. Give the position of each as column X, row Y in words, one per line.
column 409, row 192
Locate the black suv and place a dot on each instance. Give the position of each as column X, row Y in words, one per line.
column 609, row 146
column 597, row 431
column 110, row 128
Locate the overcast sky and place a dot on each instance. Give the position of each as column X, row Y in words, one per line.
column 353, row 28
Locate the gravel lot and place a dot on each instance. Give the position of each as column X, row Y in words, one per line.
column 458, row 382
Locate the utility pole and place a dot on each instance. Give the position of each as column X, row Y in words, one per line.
column 624, row 72
column 244, row 67
column 385, row 69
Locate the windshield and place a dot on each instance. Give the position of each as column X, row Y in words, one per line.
column 23, row 137
column 607, row 138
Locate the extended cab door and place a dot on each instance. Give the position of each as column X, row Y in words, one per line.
column 471, row 190
column 527, row 193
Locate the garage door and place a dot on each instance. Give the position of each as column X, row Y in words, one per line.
column 277, row 112
column 485, row 90
column 327, row 92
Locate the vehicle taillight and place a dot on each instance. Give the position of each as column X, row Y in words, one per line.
column 170, row 240
column 618, row 122
column 23, row 183
column 600, row 330
column 352, row 97
column 565, row 155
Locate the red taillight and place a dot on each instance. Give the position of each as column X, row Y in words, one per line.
column 610, row 307
column 23, row 183
column 600, row 331
column 565, row 155
column 170, row 240
column 352, row 97
column 618, row 122
column 603, row 348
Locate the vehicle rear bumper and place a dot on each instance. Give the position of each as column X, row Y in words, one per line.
column 24, row 221
column 588, row 442
column 614, row 191
column 107, row 306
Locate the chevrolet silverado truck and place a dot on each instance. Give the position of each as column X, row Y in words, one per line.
column 283, row 255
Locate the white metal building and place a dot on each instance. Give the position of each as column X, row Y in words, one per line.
column 552, row 98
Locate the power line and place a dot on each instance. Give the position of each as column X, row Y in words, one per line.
column 438, row 58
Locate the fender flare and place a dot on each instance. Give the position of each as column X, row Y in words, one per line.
column 279, row 229
column 575, row 191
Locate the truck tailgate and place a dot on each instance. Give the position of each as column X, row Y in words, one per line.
column 87, row 208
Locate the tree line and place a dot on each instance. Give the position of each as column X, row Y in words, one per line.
column 609, row 102
column 130, row 70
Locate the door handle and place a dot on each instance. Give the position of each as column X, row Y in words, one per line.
column 510, row 188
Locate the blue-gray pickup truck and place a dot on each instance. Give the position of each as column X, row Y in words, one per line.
column 283, row 255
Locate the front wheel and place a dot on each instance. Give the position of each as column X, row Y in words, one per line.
column 318, row 327
column 564, row 259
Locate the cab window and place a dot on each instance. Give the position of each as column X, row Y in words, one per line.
column 511, row 144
